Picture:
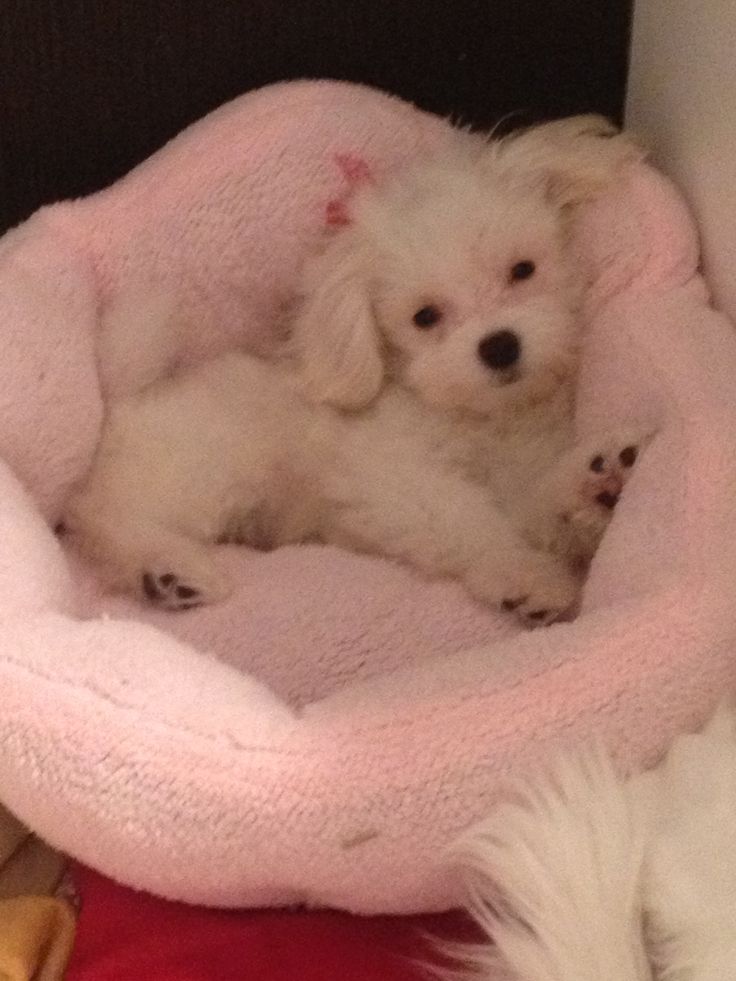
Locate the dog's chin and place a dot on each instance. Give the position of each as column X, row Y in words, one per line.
column 514, row 393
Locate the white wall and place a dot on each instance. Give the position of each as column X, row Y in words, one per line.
column 682, row 99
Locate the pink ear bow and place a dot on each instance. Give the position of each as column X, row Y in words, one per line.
column 355, row 171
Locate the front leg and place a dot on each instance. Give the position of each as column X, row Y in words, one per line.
column 571, row 508
column 443, row 525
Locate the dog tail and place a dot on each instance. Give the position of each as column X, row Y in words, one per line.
column 553, row 878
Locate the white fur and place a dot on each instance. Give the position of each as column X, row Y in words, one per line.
column 553, row 878
column 690, row 880
column 568, row 878
column 374, row 433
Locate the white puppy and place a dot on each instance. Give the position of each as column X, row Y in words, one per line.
column 424, row 412
column 583, row 876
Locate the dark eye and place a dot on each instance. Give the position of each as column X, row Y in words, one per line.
column 427, row 317
column 522, row 270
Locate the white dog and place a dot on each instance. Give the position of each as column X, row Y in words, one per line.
column 424, row 412
column 582, row 876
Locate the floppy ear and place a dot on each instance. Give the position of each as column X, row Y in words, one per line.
column 574, row 159
column 334, row 332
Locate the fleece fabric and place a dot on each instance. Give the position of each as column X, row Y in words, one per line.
column 322, row 736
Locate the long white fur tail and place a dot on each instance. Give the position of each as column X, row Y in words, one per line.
column 554, row 878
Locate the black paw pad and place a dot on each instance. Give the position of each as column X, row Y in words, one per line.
column 150, row 587
column 167, row 591
column 597, row 464
column 512, row 604
column 627, row 456
column 538, row 614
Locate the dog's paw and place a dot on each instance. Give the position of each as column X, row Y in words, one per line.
column 607, row 472
column 536, row 586
column 168, row 591
column 177, row 591
column 541, row 590
column 574, row 505
column 601, row 472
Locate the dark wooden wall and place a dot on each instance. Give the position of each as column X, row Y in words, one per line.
column 90, row 87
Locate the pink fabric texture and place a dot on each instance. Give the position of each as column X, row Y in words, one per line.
column 323, row 735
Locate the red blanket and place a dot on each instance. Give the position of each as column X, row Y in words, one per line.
column 128, row 936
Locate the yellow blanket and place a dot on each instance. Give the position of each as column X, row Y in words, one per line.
column 36, row 936
column 36, row 930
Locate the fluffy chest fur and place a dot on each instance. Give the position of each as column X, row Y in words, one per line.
column 504, row 456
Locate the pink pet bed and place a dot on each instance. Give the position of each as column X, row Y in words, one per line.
column 323, row 735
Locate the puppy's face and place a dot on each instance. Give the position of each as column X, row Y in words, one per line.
column 454, row 279
column 471, row 287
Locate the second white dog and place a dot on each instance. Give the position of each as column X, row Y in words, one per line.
column 425, row 410
column 580, row 875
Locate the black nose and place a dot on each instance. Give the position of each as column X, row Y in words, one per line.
column 500, row 350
